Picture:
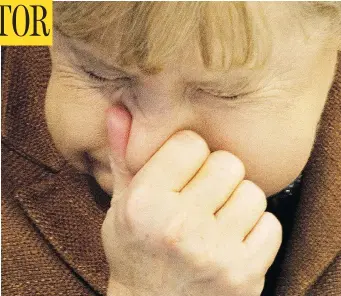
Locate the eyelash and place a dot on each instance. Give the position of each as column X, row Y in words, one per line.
column 98, row 78
column 117, row 82
column 95, row 77
column 218, row 95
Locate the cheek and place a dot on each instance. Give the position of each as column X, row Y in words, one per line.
column 76, row 121
column 83, row 125
column 274, row 146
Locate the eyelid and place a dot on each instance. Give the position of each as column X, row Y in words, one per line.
column 218, row 94
column 92, row 75
column 95, row 76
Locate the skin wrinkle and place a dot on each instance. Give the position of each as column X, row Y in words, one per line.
column 237, row 77
column 283, row 104
column 235, row 85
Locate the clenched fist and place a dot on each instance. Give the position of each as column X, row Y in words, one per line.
column 187, row 223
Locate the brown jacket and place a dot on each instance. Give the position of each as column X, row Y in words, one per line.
column 51, row 214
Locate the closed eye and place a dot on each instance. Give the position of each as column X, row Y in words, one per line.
column 218, row 94
column 94, row 76
column 100, row 78
column 117, row 82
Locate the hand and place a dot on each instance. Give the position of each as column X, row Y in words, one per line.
column 187, row 223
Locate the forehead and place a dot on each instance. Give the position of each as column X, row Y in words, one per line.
column 277, row 44
column 150, row 33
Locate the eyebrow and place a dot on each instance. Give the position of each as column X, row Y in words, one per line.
column 88, row 56
column 226, row 82
column 99, row 63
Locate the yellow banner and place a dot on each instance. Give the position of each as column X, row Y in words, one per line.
column 26, row 22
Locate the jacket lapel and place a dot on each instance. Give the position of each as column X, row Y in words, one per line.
column 67, row 216
column 316, row 238
column 26, row 73
column 62, row 207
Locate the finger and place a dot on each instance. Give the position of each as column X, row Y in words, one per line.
column 118, row 125
column 264, row 241
column 215, row 182
column 244, row 208
column 175, row 163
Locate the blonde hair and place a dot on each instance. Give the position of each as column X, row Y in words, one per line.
column 148, row 33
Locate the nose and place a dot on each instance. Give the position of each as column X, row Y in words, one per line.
column 152, row 126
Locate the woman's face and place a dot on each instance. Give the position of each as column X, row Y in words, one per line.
column 267, row 117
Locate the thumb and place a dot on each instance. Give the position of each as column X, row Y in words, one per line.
column 118, row 124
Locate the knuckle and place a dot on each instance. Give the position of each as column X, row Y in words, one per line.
column 273, row 222
column 275, row 228
column 145, row 222
column 239, row 280
column 189, row 144
column 172, row 236
column 202, row 262
column 258, row 195
column 191, row 137
column 133, row 209
column 227, row 161
column 246, row 282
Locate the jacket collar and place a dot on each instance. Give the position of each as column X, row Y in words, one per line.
column 62, row 207
column 66, row 214
column 316, row 238
column 64, row 210
column 26, row 73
